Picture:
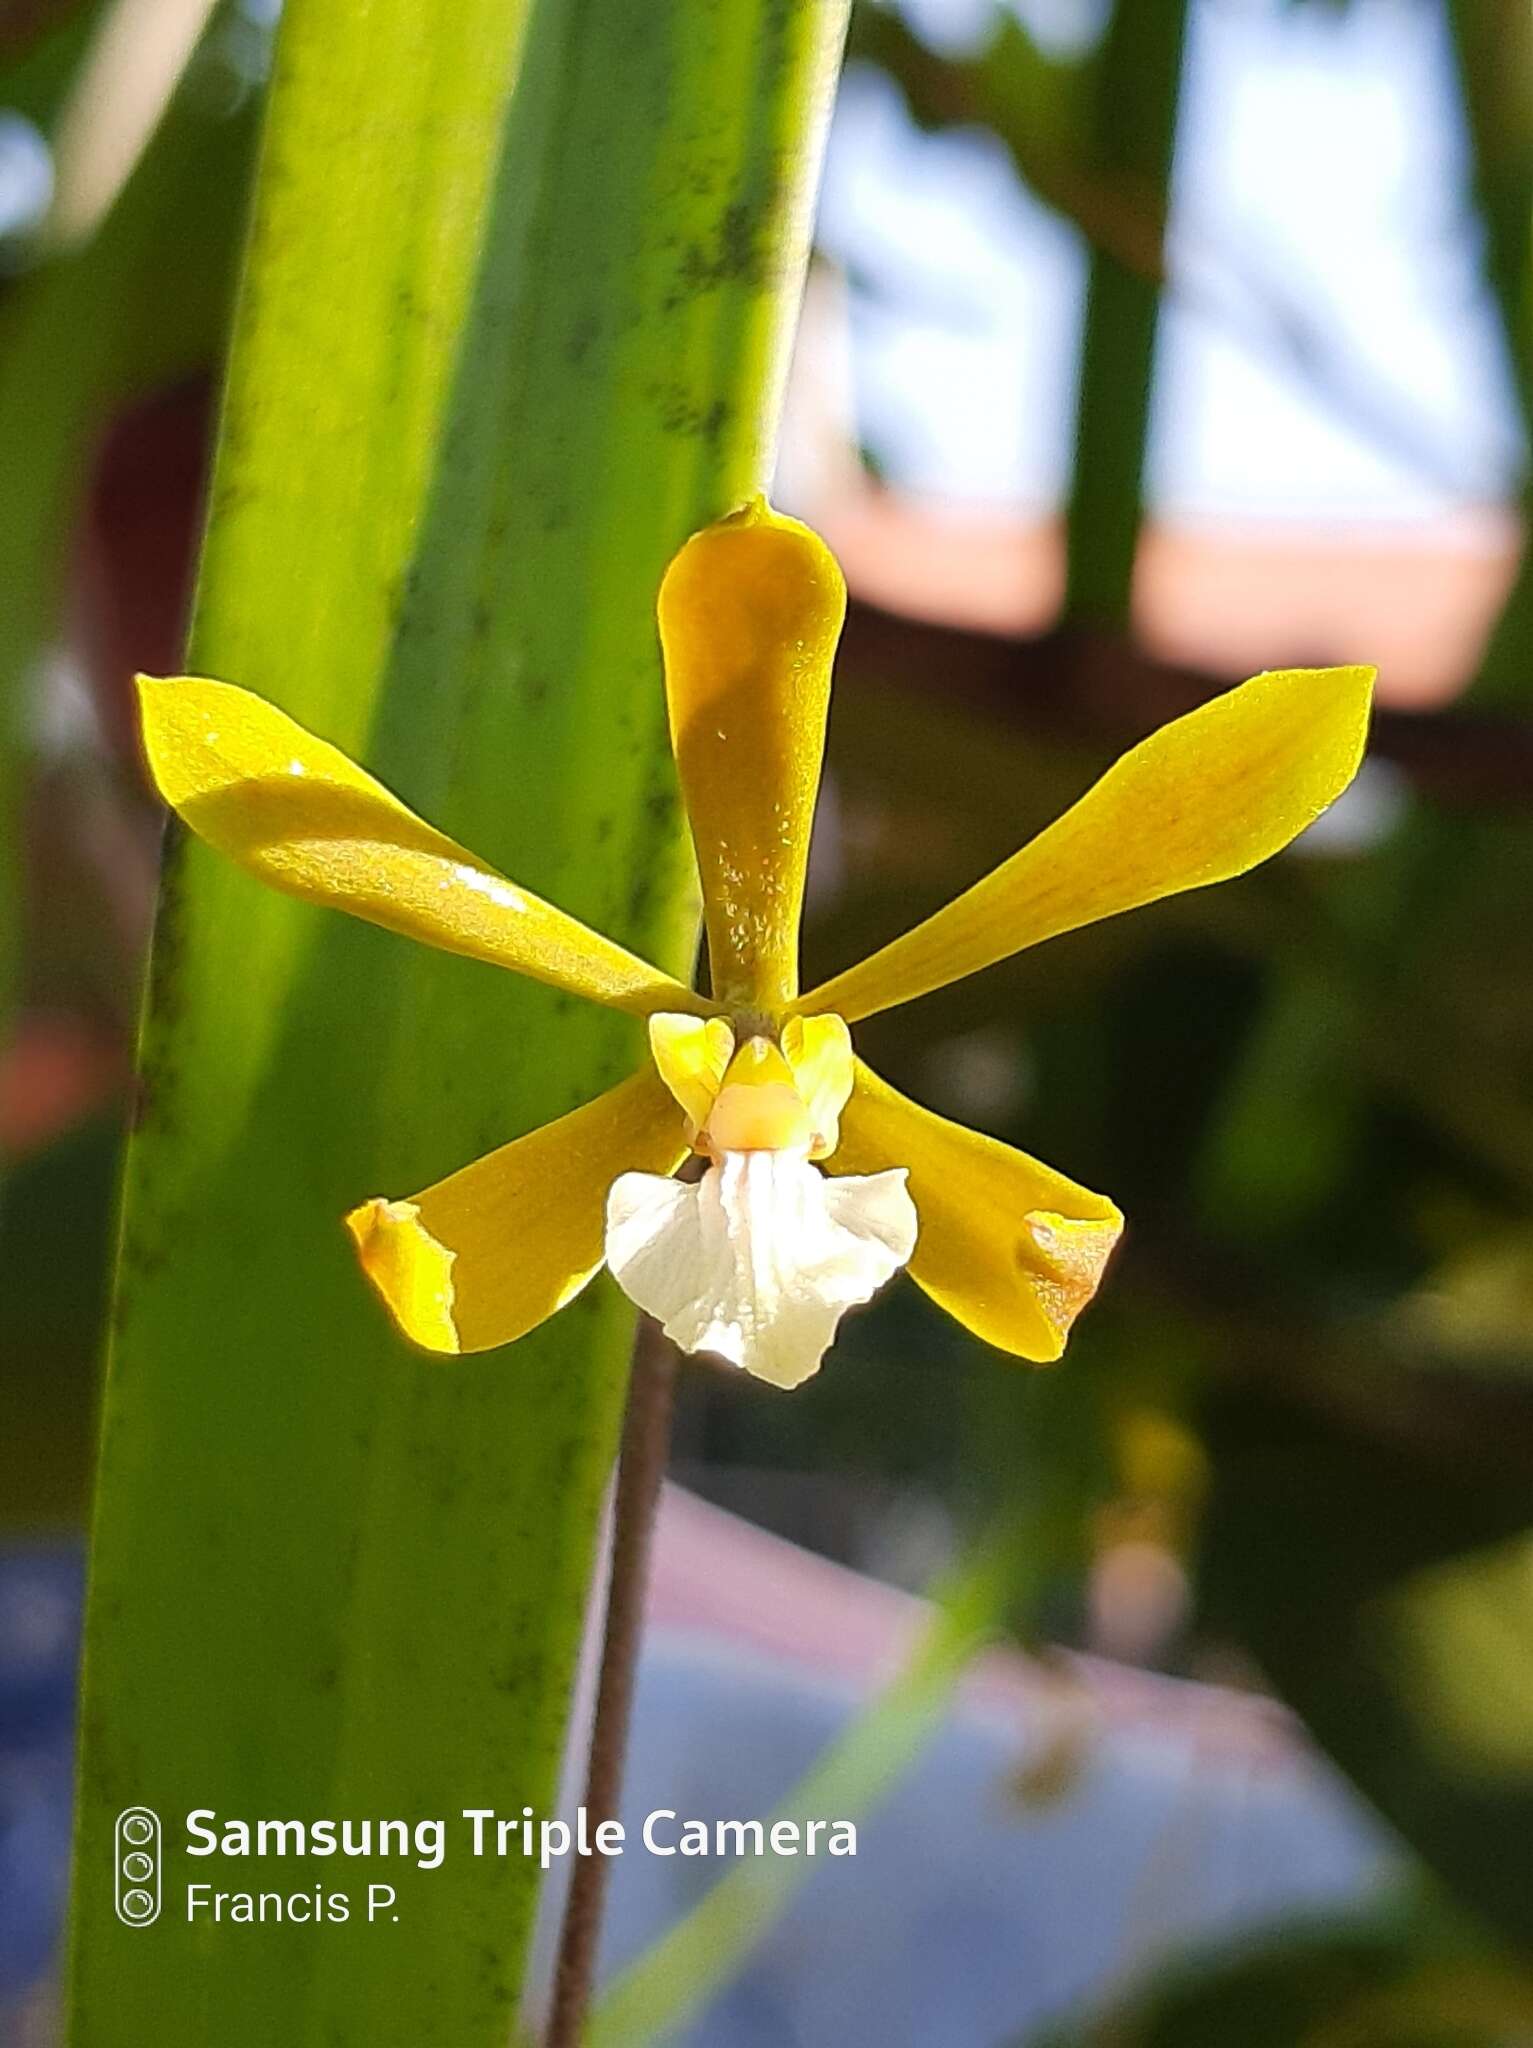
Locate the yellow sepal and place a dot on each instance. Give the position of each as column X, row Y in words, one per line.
column 750, row 613
column 1203, row 799
column 410, row 1269
column 301, row 816
column 489, row 1253
column 1011, row 1249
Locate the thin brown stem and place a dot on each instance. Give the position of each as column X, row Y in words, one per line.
column 641, row 1468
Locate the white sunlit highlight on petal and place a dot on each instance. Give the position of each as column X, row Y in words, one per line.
column 759, row 1260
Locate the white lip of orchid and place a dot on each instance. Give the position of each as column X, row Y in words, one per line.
column 759, row 1259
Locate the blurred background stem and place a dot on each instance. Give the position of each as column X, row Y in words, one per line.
column 1131, row 125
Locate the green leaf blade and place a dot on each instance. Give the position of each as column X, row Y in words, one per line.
column 516, row 308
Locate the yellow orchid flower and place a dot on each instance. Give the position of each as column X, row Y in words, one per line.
column 819, row 1181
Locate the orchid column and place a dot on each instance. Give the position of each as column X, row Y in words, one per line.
column 519, row 293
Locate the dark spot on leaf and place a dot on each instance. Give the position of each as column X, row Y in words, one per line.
column 582, row 336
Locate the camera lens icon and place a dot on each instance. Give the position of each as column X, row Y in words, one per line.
column 137, row 1862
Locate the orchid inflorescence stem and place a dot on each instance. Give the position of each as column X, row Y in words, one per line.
column 640, row 1471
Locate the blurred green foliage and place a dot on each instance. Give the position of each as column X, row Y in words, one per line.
column 1408, row 1975
column 1311, row 1093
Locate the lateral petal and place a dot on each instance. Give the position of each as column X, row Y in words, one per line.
column 750, row 613
column 486, row 1255
column 1011, row 1249
column 691, row 1055
column 298, row 814
column 1200, row 801
column 818, row 1051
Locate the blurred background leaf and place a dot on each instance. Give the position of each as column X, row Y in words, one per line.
column 1407, row 1976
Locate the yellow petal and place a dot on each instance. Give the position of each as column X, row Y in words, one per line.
column 301, row 816
column 818, row 1051
column 750, row 612
column 1203, row 799
column 489, row 1253
column 691, row 1054
column 1010, row 1248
